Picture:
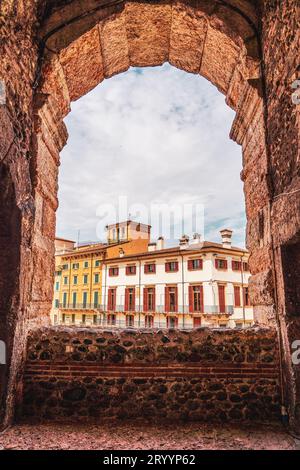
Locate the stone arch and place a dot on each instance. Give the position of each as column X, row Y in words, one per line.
column 218, row 40
column 43, row 79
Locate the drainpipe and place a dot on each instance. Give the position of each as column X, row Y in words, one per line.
column 140, row 276
column 105, row 287
column 182, row 281
column 243, row 303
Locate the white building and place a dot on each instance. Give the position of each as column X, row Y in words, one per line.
column 196, row 283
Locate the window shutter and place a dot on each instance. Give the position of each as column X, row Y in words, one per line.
column 167, row 267
column 237, row 296
column 133, row 300
column 126, row 299
column 110, row 271
column 146, row 269
column 217, row 263
column 225, row 264
column 176, row 266
column 109, row 301
column 167, row 299
column 145, row 300
column 190, row 264
column 154, row 299
column 191, row 299
column 201, row 299
column 176, row 322
column 176, row 299
column 127, row 270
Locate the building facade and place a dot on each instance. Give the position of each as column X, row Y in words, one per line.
column 191, row 285
column 78, row 272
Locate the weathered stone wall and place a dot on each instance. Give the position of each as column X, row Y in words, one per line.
column 281, row 46
column 53, row 52
column 18, row 56
column 79, row 374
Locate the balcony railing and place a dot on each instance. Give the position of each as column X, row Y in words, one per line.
column 160, row 309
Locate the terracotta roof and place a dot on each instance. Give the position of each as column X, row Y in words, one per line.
column 176, row 250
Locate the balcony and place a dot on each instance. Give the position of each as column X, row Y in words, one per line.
column 160, row 309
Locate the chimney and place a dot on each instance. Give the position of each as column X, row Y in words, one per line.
column 152, row 246
column 121, row 252
column 226, row 235
column 196, row 239
column 160, row 243
column 184, row 242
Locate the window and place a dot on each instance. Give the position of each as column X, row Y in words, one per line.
column 150, row 268
column 56, row 303
column 65, row 299
column 246, row 297
column 111, row 319
column 130, row 270
column 129, row 320
column 84, row 299
column 197, row 322
column 236, row 265
column 172, row 322
column 195, row 264
column 111, row 299
column 85, row 278
column 123, row 232
column 96, row 278
column 129, row 299
column 75, row 280
column 95, row 319
column 64, row 318
column 86, row 264
column 96, row 299
column 65, row 266
column 57, row 286
column 171, row 266
column 237, row 296
column 114, row 271
column 221, row 264
column 149, row 299
column 74, row 299
column 245, row 266
column 75, row 266
column 149, row 321
column 196, row 303
column 171, row 299
column 73, row 318
column 83, row 318
column 65, row 280
column 97, row 263
column 222, row 301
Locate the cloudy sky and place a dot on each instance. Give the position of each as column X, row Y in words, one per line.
column 150, row 137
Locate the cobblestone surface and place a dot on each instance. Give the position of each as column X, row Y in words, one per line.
column 129, row 435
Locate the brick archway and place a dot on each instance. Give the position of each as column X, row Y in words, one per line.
column 231, row 43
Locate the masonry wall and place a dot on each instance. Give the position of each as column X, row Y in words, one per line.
column 79, row 374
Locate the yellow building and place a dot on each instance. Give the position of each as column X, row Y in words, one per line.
column 78, row 272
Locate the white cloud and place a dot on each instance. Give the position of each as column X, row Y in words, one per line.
column 156, row 134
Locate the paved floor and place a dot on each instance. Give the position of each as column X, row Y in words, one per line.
column 135, row 436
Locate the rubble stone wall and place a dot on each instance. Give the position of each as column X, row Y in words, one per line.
column 80, row 374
